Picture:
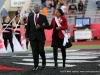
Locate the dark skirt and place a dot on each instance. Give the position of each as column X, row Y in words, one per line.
column 57, row 42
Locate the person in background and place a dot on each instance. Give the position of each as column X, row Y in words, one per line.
column 55, row 2
column 45, row 11
column 17, row 13
column 80, row 6
column 63, row 8
column 70, row 1
column 43, row 3
column 25, row 23
column 58, row 5
column 4, row 13
column 17, row 23
column 31, row 12
column 7, row 32
column 72, row 8
column 25, row 16
column 98, row 4
column 74, row 1
column 58, row 36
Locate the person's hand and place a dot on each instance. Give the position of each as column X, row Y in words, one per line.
column 57, row 28
column 27, row 39
column 37, row 26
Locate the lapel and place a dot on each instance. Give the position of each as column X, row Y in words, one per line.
column 33, row 20
column 54, row 23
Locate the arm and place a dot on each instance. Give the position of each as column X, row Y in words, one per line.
column 0, row 28
column 78, row 5
column 82, row 5
column 21, row 21
column 6, row 12
column 69, row 8
column 16, row 13
column 65, row 25
column 1, row 13
column 75, row 8
column 51, row 25
column 14, row 24
column 46, row 24
column 28, row 28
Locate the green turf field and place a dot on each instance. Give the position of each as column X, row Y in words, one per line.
column 72, row 48
column 79, row 47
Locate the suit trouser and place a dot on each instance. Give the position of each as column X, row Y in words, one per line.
column 18, row 36
column 38, row 48
column 8, row 36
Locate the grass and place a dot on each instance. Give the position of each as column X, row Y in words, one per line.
column 79, row 47
column 71, row 48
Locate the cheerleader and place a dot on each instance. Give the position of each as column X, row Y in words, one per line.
column 7, row 32
column 25, row 23
column 17, row 25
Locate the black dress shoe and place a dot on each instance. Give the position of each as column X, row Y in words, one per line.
column 55, row 66
column 35, row 68
column 63, row 67
column 43, row 65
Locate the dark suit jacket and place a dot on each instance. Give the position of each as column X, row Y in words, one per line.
column 17, row 14
column 32, row 32
column 64, row 26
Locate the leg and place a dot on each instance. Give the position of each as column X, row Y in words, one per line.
column 42, row 52
column 5, row 40
column 55, row 54
column 63, row 50
column 10, row 37
column 75, row 12
column 34, row 46
column 18, row 38
column 70, row 12
column 42, row 5
column 79, row 9
column 27, row 44
column 3, row 19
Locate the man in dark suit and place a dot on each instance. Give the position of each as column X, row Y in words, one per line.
column 35, row 33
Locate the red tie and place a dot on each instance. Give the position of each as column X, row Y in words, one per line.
column 36, row 18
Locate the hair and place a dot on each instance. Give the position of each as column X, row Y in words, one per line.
column 61, row 4
column 44, row 5
column 17, row 17
column 61, row 12
column 36, row 6
column 6, row 16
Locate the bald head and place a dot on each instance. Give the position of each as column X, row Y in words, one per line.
column 36, row 8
